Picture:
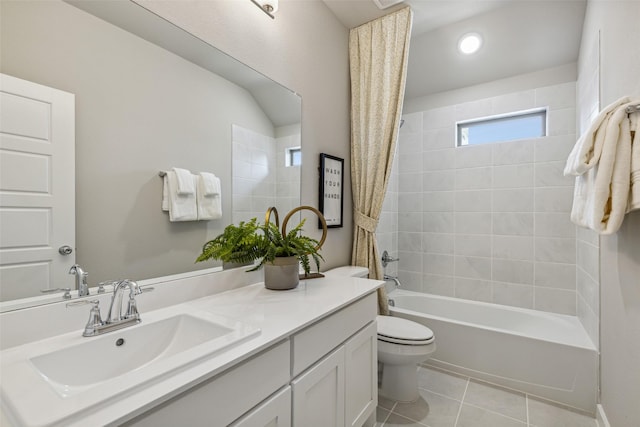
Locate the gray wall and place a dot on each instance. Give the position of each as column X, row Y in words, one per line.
column 304, row 48
column 619, row 253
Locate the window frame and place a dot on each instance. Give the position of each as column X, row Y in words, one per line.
column 532, row 112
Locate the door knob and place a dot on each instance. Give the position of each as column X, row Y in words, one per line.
column 65, row 250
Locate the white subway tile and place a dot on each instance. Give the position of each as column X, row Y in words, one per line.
column 437, row 139
column 410, row 162
column 514, row 295
column 412, row 123
column 554, row 148
column 513, row 224
column 555, row 250
column 513, row 152
column 557, row 96
column 409, row 241
column 436, row 181
column 473, row 110
column 554, row 225
column 410, row 261
column 513, row 247
column 438, row 285
column 512, row 271
column 473, row 245
column 550, row 174
column 554, row 275
column 513, row 176
column 473, row 156
column 437, row 159
column 555, row 300
column 438, row 201
column 410, row 182
column 439, row 243
column 473, row 201
column 561, row 122
column 513, row 200
column 473, row 178
column 513, row 102
column 437, row 264
column 473, row 267
column 410, row 202
column 408, row 143
column 438, row 118
column 473, row 289
column 410, row 221
column 438, row 222
column 553, row 199
column 472, row 223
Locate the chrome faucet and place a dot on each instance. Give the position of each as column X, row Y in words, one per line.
column 393, row 278
column 115, row 319
column 115, row 310
column 81, row 280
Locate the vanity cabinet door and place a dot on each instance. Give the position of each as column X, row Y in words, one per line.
column 274, row 412
column 318, row 394
column 361, row 376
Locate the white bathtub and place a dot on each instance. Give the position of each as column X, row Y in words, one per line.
column 543, row 354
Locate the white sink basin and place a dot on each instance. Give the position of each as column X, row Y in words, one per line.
column 70, row 370
column 67, row 375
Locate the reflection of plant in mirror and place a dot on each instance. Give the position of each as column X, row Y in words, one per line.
column 250, row 241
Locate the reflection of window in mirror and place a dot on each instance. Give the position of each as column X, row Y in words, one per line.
column 294, row 156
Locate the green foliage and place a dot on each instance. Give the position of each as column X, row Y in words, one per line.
column 250, row 241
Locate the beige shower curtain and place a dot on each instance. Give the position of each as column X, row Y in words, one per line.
column 378, row 52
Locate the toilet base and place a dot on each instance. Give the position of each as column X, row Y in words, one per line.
column 400, row 382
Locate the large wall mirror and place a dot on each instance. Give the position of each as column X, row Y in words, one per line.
column 149, row 97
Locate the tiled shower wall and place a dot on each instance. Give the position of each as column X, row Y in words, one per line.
column 261, row 178
column 489, row 222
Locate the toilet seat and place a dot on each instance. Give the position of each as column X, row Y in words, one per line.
column 396, row 330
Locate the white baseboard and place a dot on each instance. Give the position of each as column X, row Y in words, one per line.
column 601, row 417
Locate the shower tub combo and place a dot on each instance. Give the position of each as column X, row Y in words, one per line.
column 544, row 354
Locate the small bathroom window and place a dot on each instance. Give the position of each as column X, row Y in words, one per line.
column 504, row 127
column 294, row 156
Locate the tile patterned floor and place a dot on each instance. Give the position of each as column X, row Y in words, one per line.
column 451, row 400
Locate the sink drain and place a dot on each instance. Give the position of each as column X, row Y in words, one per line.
column 119, row 342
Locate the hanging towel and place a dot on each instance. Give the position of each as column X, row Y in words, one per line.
column 185, row 182
column 181, row 207
column 634, row 192
column 208, row 196
column 601, row 160
column 210, row 184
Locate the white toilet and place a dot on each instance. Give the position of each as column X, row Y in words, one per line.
column 402, row 344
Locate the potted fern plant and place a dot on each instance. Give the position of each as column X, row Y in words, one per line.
column 280, row 253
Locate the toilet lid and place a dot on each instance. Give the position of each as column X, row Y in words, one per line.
column 402, row 331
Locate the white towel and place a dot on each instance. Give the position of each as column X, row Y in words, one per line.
column 185, row 182
column 181, row 207
column 210, row 184
column 634, row 192
column 602, row 162
column 586, row 153
column 208, row 196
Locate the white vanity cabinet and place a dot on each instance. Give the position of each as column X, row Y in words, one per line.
column 323, row 375
column 341, row 388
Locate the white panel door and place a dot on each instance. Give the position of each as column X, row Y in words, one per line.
column 37, row 187
column 318, row 394
column 361, row 376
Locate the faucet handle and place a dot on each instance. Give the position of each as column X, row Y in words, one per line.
column 95, row 320
column 67, row 292
column 101, row 285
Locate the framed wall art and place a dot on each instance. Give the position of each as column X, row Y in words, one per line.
column 331, row 189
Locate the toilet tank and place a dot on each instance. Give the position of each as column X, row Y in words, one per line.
column 348, row 271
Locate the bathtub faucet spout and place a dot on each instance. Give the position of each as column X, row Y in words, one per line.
column 394, row 278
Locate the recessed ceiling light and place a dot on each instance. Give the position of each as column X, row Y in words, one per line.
column 470, row 43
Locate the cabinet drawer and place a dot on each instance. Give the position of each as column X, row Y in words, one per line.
column 319, row 339
column 222, row 399
column 275, row 412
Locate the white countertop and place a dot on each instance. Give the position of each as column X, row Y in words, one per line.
column 278, row 315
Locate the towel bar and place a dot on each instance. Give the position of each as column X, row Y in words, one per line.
column 633, row 109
